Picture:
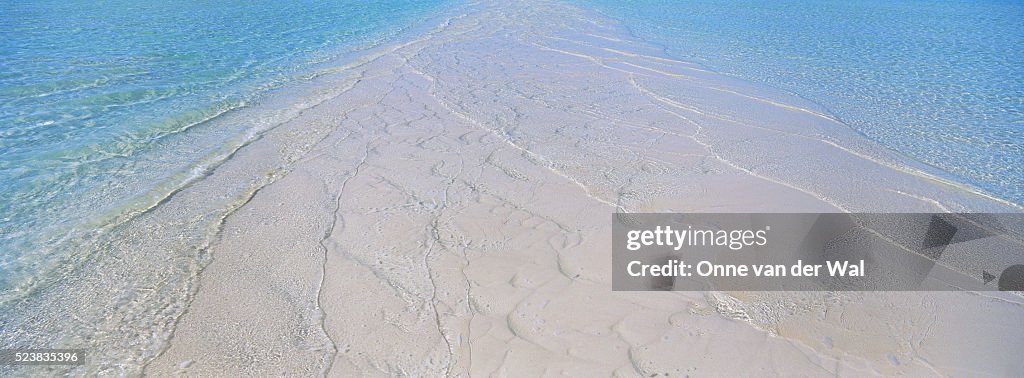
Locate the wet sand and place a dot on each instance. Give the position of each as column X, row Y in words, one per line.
column 449, row 213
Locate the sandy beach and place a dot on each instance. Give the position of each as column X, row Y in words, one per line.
column 443, row 208
column 454, row 221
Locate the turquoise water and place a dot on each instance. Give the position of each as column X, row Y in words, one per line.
column 939, row 81
column 95, row 98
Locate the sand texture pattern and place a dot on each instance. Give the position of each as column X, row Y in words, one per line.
column 449, row 213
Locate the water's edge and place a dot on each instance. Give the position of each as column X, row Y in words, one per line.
column 197, row 207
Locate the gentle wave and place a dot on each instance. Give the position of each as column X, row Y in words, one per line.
column 101, row 114
column 926, row 79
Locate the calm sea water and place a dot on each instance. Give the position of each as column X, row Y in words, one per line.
column 941, row 81
column 92, row 94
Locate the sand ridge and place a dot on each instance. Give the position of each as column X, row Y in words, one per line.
column 454, row 219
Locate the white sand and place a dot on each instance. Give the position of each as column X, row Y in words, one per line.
column 455, row 218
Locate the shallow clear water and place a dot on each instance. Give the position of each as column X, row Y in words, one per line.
column 939, row 81
column 93, row 94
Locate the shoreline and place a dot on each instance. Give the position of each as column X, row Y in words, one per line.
column 450, row 200
column 234, row 122
column 868, row 119
column 421, row 168
column 160, row 249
